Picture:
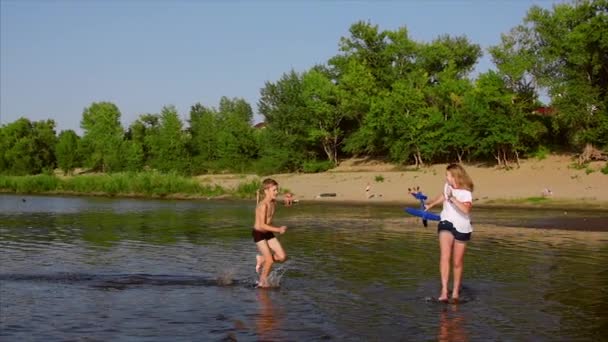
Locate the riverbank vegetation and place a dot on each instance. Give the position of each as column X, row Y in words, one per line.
column 383, row 95
column 126, row 184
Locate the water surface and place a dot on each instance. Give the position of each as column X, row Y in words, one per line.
column 147, row 270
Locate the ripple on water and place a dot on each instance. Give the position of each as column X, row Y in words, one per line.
column 160, row 270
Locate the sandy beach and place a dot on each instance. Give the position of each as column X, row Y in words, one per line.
column 551, row 181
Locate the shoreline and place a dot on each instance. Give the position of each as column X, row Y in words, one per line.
column 551, row 204
column 551, row 183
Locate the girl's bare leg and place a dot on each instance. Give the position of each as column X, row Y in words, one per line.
column 459, row 249
column 446, row 241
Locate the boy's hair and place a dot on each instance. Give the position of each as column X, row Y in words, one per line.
column 461, row 176
column 266, row 183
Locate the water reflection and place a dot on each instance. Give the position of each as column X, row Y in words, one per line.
column 452, row 325
column 357, row 273
column 268, row 318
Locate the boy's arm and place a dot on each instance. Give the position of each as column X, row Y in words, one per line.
column 260, row 220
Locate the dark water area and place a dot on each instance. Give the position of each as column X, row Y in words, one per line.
column 99, row 269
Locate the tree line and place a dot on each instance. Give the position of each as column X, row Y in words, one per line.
column 383, row 95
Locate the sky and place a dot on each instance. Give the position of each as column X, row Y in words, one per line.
column 57, row 57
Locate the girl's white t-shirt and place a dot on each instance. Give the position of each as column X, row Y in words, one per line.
column 460, row 220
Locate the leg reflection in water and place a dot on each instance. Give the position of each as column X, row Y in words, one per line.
column 269, row 317
column 452, row 325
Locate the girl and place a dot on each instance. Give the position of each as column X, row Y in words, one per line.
column 268, row 245
column 454, row 229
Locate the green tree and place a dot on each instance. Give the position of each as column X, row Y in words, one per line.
column 19, row 149
column 66, row 150
column 284, row 109
column 236, row 144
column 102, row 136
column 27, row 147
column 168, row 145
column 322, row 98
column 568, row 47
column 204, row 135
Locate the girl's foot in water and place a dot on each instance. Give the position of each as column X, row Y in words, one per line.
column 259, row 261
column 444, row 296
column 455, row 296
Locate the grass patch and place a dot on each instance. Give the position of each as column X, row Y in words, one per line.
column 379, row 179
column 248, row 189
column 536, row 199
column 148, row 184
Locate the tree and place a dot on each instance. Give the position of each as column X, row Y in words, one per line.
column 27, row 147
column 284, row 109
column 102, row 137
column 203, row 131
column 66, row 150
column 19, row 150
column 322, row 98
column 168, row 145
column 236, row 144
column 565, row 50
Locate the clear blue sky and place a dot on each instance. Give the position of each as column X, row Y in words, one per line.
column 57, row 57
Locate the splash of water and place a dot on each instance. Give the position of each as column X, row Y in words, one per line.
column 274, row 279
column 226, row 277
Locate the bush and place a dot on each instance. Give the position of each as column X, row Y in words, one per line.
column 315, row 166
column 379, row 178
column 541, row 153
column 248, row 189
column 605, row 169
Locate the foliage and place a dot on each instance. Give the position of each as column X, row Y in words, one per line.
column 383, row 94
column 315, row 166
column 248, row 189
column 541, row 153
column 125, row 184
column 102, row 139
column 67, row 151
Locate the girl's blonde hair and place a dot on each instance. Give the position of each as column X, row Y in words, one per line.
column 461, row 176
column 266, row 183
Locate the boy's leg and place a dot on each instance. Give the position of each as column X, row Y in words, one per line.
column 459, row 249
column 277, row 249
column 446, row 240
column 267, row 255
column 259, row 261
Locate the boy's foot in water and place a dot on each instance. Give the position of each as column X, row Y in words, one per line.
column 262, row 285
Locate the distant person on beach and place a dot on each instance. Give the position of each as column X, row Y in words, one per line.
column 288, row 199
column 455, row 228
column 268, row 245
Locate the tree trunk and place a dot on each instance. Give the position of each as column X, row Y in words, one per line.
column 460, row 154
column 498, row 159
column 418, row 158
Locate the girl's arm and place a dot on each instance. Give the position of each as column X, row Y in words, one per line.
column 260, row 220
column 465, row 207
column 440, row 198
